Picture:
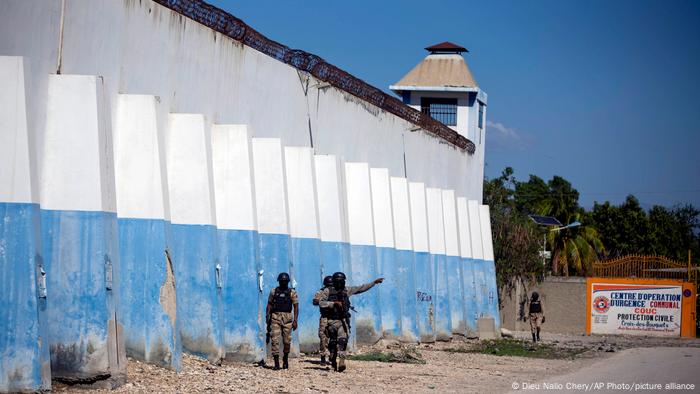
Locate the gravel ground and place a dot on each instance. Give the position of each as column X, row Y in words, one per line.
column 443, row 372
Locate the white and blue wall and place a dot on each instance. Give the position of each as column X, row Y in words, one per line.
column 159, row 183
column 24, row 352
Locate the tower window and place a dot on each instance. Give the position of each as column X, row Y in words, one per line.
column 443, row 110
column 481, row 116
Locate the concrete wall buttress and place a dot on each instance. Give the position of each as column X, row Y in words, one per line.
column 468, row 278
column 79, row 232
column 25, row 362
column 238, row 243
column 489, row 265
column 335, row 250
column 425, row 294
column 193, row 235
column 271, row 212
column 306, row 244
column 438, row 260
column 383, row 219
column 455, row 276
column 363, row 254
column 477, row 258
column 406, row 276
column 147, row 286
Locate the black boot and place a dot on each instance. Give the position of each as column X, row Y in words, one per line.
column 534, row 338
column 285, row 361
column 538, row 334
column 333, row 363
column 323, row 360
column 277, row 362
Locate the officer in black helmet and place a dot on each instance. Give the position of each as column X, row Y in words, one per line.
column 536, row 315
column 281, row 321
column 323, row 320
column 337, row 299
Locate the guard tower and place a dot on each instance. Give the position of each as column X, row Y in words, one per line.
column 442, row 86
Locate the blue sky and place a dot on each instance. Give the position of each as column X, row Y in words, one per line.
column 603, row 93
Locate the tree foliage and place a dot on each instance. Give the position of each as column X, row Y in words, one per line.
column 607, row 230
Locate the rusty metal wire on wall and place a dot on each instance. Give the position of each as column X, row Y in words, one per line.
column 227, row 24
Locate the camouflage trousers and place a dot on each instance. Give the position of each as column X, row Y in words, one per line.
column 322, row 337
column 535, row 321
column 281, row 326
column 337, row 333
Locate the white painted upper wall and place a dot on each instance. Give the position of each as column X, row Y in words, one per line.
column 419, row 217
column 401, row 213
column 465, row 241
column 16, row 177
column 138, row 158
column 381, row 208
column 144, row 48
column 359, row 203
column 486, row 238
column 270, row 187
column 233, row 177
column 301, row 192
column 475, row 230
column 77, row 164
column 449, row 214
column 436, row 223
column 190, row 174
column 331, row 212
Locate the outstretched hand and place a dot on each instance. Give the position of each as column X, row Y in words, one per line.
column 378, row 281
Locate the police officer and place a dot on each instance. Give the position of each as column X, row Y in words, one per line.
column 322, row 321
column 337, row 299
column 536, row 315
column 280, row 303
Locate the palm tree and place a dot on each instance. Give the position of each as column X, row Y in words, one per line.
column 575, row 248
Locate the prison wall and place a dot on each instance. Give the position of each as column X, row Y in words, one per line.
column 160, row 175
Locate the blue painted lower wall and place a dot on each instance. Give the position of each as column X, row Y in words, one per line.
column 455, row 282
column 425, row 297
column 335, row 257
column 367, row 319
column 243, row 316
column 443, row 323
column 471, row 310
column 388, row 292
column 306, row 255
column 82, row 266
column 147, row 308
column 24, row 358
column 492, row 287
column 406, row 273
column 199, row 304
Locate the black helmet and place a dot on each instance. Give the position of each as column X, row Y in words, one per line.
column 328, row 281
column 338, row 276
column 339, row 280
column 283, row 277
column 535, row 296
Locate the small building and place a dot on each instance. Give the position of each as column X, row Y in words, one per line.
column 442, row 86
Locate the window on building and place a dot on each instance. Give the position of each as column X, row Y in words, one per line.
column 441, row 109
column 481, row 116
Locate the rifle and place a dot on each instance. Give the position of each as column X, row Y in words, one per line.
column 269, row 323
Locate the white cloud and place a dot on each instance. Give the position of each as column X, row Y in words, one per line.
column 500, row 137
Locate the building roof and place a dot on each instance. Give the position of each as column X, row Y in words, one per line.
column 446, row 47
column 234, row 28
column 438, row 71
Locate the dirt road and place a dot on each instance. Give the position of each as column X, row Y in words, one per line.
column 446, row 370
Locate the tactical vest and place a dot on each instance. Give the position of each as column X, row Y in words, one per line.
column 535, row 307
column 282, row 300
column 339, row 313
